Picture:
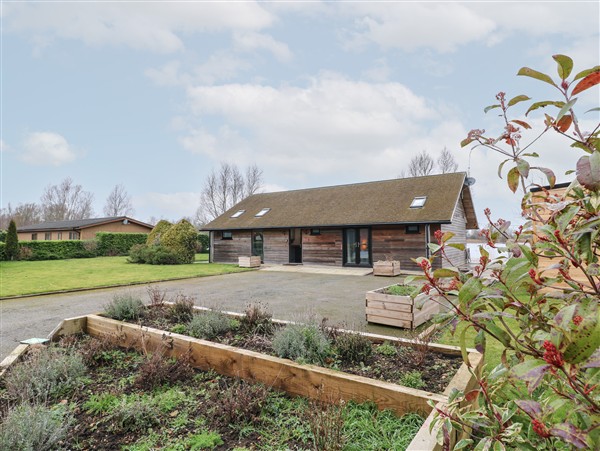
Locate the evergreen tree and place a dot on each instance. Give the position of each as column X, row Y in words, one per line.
column 12, row 242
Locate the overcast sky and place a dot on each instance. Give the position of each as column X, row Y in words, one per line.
column 154, row 95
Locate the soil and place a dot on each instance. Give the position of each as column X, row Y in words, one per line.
column 436, row 369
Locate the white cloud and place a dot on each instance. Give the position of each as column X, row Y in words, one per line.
column 4, row 147
column 170, row 205
column 149, row 26
column 47, row 149
column 252, row 41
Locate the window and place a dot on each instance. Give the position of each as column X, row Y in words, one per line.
column 48, row 235
column 59, row 235
column 413, row 228
column 33, row 236
column 238, row 213
column 73, row 235
column 263, row 212
column 418, row 202
column 315, row 232
column 227, row 235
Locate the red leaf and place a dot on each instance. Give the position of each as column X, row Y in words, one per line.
column 589, row 81
column 564, row 123
column 472, row 395
column 523, row 124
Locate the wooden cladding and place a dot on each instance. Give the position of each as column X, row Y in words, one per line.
column 228, row 251
column 322, row 249
column 393, row 243
column 459, row 228
column 276, row 246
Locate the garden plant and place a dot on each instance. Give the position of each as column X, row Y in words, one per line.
column 545, row 393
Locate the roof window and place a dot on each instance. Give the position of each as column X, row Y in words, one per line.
column 418, row 202
column 238, row 213
column 263, row 212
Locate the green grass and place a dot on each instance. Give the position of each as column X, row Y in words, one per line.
column 31, row 277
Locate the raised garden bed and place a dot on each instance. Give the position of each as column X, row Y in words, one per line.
column 309, row 381
column 249, row 262
column 393, row 306
column 386, row 268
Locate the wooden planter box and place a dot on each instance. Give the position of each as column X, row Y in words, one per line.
column 249, row 262
column 385, row 268
column 303, row 380
column 399, row 311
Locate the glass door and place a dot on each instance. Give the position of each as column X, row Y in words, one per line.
column 357, row 247
column 257, row 245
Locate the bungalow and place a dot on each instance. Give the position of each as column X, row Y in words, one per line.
column 81, row 229
column 347, row 225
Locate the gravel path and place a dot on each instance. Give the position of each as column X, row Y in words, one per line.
column 289, row 296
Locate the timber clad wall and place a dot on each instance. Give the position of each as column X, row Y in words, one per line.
column 89, row 233
column 276, row 246
column 459, row 228
column 323, row 249
column 228, row 251
column 392, row 242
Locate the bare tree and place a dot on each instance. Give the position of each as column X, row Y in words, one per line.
column 66, row 201
column 23, row 214
column 118, row 202
column 225, row 188
column 421, row 164
column 446, row 162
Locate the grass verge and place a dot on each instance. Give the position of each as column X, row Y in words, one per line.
column 25, row 277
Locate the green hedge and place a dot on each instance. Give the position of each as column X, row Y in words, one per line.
column 204, row 241
column 3, row 234
column 112, row 244
column 57, row 250
column 2, row 246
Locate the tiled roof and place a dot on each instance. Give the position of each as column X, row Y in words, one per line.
column 76, row 224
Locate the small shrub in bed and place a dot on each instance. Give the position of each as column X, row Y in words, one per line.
column 239, row 402
column 302, row 342
column 209, row 325
column 46, row 374
column 257, row 319
column 95, row 351
column 182, row 309
column 412, row 379
column 158, row 369
column 353, row 347
column 134, row 414
column 34, row 427
column 125, row 308
column 401, row 290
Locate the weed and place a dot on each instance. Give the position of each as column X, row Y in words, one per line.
column 179, row 329
column 45, row 374
column 125, row 307
column 412, row 379
column 209, row 325
column 134, row 414
column 420, row 348
column 239, row 402
column 157, row 296
column 182, row 309
column 203, row 440
column 302, row 342
column 169, row 400
column 387, row 349
column 100, row 404
column 95, row 350
column 158, row 369
column 402, row 290
column 353, row 347
column 34, row 427
column 257, row 319
column 326, row 423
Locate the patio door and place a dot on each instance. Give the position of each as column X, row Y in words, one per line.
column 258, row 245
column 357, row 247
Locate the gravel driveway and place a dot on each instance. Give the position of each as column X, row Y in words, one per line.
column 340, row 298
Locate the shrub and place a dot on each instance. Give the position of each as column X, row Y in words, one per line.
column 125, row 307
column 257, row 319
column 45, row 374
column 111, row 244
column 152, row 255
column 387, row 349
column 326, row 421
column 93, row 351
column 33, row 427
column 182, row 309
column 412, row 379
column 157, row 296
column 11, row 251
column 154, row 237
column 204, row 241
column 239, row 402
column 401, row 290
column 134, row 414
column 353, row 347
column 56, row 250
column 2, row 254
column 302, row 342
column 209, row 325
column 100, row 404
column 180, row 239
column 3, row 236
column 158, row 369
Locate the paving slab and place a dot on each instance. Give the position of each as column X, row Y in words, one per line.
column 289, row 295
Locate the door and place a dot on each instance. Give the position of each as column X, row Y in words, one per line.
column 295, row 241
column 357, row 247
column 258, row 245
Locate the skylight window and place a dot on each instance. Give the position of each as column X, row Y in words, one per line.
column 238, row 213
column 418, row 202
column 263, row 212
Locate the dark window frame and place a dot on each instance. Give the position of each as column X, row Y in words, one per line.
column 315, row 232
column 34, row 237
column 411, row 229
column 48, row 236
column 227, row 235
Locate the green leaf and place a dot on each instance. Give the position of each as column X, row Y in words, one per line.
column 464, row 443
column 544, row 104
column 512, row 179
column 593, row 109
column 585, row 73
column 532, row 372
column 459, row 246
column 501, row 166
column 588, row 171
column 445, row 272
column 490, row 107
column 589, row 81
column 523, row 167
column 526, row 71
column 564, row 110
column 463, row 346
column 565, row 216
column 565, row 65
column 469, row 291
column 518, row 99
column 434, row 247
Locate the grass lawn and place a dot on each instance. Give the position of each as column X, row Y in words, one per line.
column 23, row 277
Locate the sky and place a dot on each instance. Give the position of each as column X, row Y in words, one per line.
column 154, row 95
